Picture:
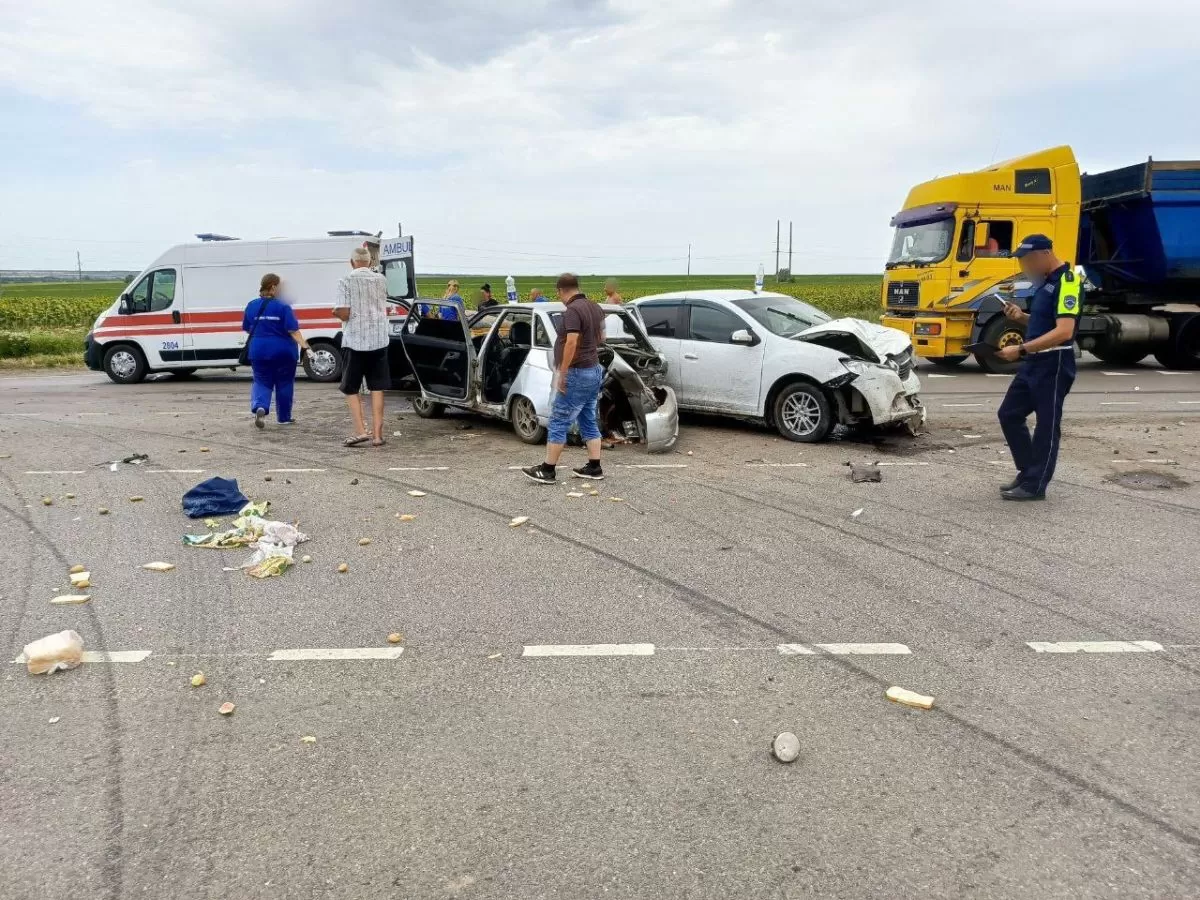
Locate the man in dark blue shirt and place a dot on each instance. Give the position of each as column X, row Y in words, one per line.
column 1047, row 369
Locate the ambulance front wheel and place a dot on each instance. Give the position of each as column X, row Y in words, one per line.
column 325, row 365
column 125, row 364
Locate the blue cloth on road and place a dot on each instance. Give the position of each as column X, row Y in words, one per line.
column 1040, row 386
column 214, row 497
column 272, row 337
column 577, row 404
column 276, row 376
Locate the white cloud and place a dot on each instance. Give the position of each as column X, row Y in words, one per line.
column 553, row 126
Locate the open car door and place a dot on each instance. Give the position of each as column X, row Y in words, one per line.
column 438, row 345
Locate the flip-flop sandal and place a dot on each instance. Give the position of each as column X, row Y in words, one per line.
column 355, row 441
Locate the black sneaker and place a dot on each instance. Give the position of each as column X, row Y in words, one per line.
column 540, row 474
column 1012, row 485
column 260, row 418
column 1021, row 494
column 592, row 470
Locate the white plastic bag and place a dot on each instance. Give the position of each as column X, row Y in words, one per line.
column 53, row 652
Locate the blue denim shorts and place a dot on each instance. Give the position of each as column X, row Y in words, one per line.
column 577, row 404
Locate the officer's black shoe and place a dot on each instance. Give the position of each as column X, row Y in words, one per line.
column 1012, row 485
column 1020, row 493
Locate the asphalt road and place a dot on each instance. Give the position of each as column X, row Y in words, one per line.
column 466, row 762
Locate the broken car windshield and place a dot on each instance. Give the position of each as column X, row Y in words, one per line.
column 783, row 316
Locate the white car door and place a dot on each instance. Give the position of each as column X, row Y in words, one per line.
column 664, row 323
column 718, row 374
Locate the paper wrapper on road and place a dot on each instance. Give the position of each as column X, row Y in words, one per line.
column 53, row 652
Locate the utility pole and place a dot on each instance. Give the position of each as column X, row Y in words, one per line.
column 789, row 249
column 776, row 249
column 78, row 266
column 689, row 268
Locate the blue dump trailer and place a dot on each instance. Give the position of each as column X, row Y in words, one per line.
column 1139, row 243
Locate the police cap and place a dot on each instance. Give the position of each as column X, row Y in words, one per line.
column 1033, row 243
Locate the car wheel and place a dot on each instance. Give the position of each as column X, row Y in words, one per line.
column 325, row 365
column 427, row 409
column 1000, row 332
column 125, row 364
column 525, row 421
column 802, row 413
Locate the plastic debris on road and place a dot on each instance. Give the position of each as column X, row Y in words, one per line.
column 159, row 566
column 269, row 567
column 134, row 459
column 518, row 521
column 909, row 698
column 212, row 524
column 63, row 650
column 273, row 542
column 214, row 497
column 861, row 474
column 70, row 599
column 416, row 493
column 785, row 747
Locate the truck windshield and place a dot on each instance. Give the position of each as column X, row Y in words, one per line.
column 921, row 243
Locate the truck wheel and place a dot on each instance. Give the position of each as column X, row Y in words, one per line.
column 803, row 413
column 125, row 364
column 947, row 362
column 1183, row 350
column 1127, row 355
column 525, row 421
column 325, row 365
column 427, row 409
column 1000, row 332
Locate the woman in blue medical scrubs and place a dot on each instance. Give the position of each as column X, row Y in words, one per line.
column 275, row 341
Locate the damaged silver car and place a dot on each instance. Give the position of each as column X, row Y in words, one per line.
column 500, row 363
column 768, row 356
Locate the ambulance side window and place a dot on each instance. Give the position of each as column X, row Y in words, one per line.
column 138, row 299
column 162, row 290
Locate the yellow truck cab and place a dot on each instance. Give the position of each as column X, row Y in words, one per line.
column 954, row 242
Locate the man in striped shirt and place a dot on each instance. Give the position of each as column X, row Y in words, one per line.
column 362, row 306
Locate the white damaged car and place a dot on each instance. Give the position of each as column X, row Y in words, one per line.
column 768, row 356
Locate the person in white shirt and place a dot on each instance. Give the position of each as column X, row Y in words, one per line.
column 362, row 306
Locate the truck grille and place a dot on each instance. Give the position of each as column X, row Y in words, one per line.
column 903, row 293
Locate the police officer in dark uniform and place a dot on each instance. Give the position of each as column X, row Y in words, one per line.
column 1047, row 367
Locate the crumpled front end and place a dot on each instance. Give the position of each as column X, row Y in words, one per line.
column 877, row 394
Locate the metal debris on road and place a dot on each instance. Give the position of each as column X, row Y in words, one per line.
column 518, row 521
column 861, row 474
column 909, row 698
column 63, row 650
column 786, row 747
column 70, row 599
column 159, row 566
column 198, row 680
column 226, row 709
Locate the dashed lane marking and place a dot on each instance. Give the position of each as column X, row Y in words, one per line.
column 1094, row 646
column 901, row 463
column 174, row 471
column 652, row 466
column 1161, row 462
column 420, row 469
column 998, row 375
column 1123, row 374
column 55, row 472
column 294, row 471
column 323, row 654
column 1120, row 402
column 588, row 650
column 1165, row 372
column 937, row 375
column 960, row 405
column 765, row 465
column 1187, row 402
column 844, row 649
column 111, row 656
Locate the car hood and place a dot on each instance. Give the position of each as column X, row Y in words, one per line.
column 875, row 341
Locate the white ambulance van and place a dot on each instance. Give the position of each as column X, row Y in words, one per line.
column 184, row 311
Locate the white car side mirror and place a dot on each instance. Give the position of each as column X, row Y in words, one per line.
column 743, row 336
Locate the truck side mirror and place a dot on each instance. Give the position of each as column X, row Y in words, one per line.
column 981, row 235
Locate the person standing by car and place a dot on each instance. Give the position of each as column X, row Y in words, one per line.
column 487, row 300
column 611, row 294
column 577, row 382
column 362, row 305
column 453, row 296
column 274, row 341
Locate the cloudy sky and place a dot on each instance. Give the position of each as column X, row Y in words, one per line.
column 535, row 136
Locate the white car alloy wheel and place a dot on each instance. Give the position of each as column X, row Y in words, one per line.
column 801, row 414
column 525, row 421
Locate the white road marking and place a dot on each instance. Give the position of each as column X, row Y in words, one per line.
column 1165, row 372
column 174, row 471
column 936, row 375
column 998, row 375
column 1094, row 646
column 1187, row 402
column 845, row 649
column 1125, row 374
column 350, row 653
column 777, row 465
column 293, row 471
column 1161, row 462
column 1120, row 402
column 906, row 463
column 112, row 656
column 652, row 466
column 56, row 472
column 953, row 405
column 588, row 650
column 420, row 469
